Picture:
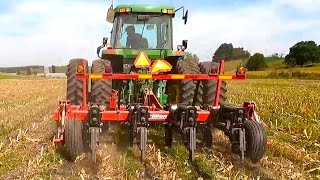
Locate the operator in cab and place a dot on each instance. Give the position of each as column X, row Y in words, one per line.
column 133, row 39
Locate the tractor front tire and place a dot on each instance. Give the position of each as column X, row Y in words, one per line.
column 74, row 129
column 256, row 140
column 210, row 86
column 74, row 142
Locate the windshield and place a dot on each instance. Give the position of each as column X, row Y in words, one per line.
column 143, row 31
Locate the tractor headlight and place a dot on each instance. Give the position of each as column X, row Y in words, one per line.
column 174, row 107
column 168, row 11
column 123, row 10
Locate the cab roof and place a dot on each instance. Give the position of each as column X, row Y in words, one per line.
column 144, row 8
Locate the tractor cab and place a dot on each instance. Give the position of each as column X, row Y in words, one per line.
column 142, row 30
column 138, row 28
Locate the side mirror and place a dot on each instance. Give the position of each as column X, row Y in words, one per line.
column 185, row 44
column 110, row 14
column 98, row 51
column 104, row 41
column 185, row 17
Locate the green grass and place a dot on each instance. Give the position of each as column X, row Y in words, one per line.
column 231, row 66
column 9, row 76
column 178, row 155
column 309, row 68
column 272, row 63
column 130, row 164
column 277, row 69
column 271, row 60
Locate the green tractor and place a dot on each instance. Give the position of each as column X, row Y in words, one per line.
column 141, row 80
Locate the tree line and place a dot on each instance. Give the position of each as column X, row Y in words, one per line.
column 300, row 54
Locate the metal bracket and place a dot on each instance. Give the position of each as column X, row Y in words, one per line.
column 142, row 135
column 94, row 116
column 192, row 142
column 94, row 142
column 138, row 127
column 242, row 141
column 187, row 117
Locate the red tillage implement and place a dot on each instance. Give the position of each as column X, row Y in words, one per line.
column 240, row 124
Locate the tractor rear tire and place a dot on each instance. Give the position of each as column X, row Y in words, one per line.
column 75, row 86
column 74, row 142
column 210, row 86
column 187, row 88
column 100, row 88
column 256, row 139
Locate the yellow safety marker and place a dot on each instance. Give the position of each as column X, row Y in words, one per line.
column 177, row 76
column 95, row 76
column 145, row 76
column 142, row 61
column 223, row 77
column 160, row 66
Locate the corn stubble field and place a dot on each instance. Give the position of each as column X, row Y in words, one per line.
column 290, row 109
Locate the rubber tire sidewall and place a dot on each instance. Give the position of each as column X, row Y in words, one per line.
column 256, row 139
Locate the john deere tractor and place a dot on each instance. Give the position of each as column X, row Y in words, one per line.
column 140, row 79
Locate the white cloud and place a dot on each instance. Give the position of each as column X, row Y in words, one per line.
column 307, row 5
column 52, row 32
column 62, row 31
column 256, row 27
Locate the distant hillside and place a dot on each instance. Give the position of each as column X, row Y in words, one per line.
column 275, row 63
column 58, row 69
column 38, row 69
column 231, row 66
column 34, row 68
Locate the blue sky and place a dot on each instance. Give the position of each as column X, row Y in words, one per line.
column 53, row 31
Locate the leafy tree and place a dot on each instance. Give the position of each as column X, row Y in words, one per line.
column 190, row 56
column 239, row 53
column 302, row 53
column 275, row 55
column 228, row 52
column 224, row 51
column 256, row 62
